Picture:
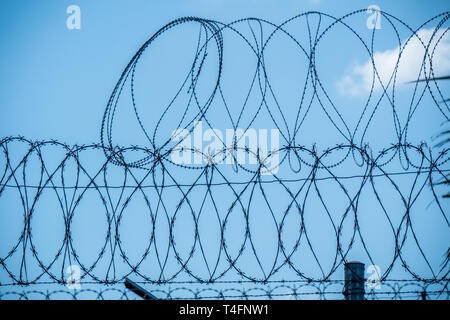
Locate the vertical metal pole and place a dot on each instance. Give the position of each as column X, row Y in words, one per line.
column 424, row 295
column 354, row 281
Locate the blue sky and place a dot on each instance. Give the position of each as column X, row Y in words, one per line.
column 55, row 84
column 73, row 72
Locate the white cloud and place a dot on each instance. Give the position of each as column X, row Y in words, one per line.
column 358, row 80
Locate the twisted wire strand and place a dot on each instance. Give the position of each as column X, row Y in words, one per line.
column 391, row 290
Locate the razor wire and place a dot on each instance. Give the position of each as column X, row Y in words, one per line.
column 173, row 196
column 328, row 290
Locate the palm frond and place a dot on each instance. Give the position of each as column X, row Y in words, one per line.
column 431, row 79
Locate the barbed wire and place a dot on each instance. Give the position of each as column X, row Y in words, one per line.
column 161, row 221
column 325, row 290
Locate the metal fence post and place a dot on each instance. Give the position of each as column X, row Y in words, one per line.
column 354, row 281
